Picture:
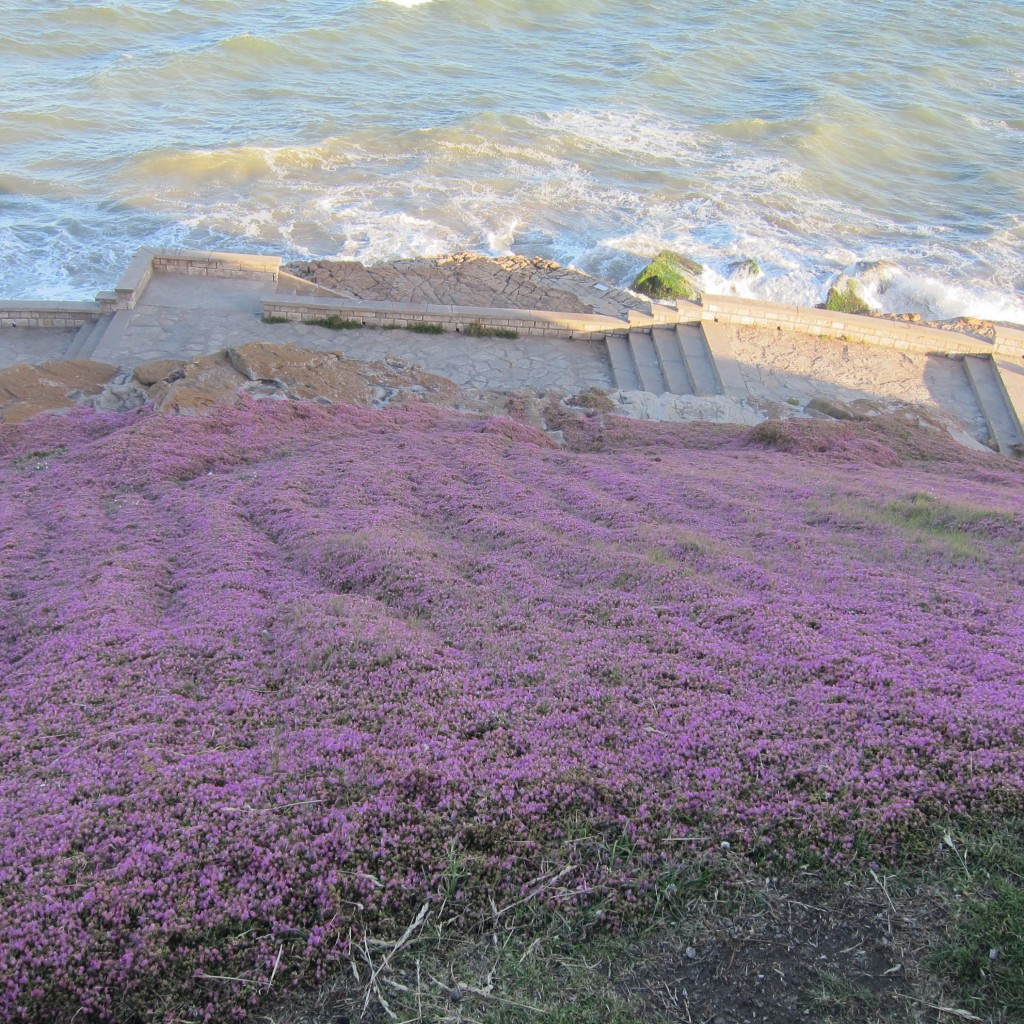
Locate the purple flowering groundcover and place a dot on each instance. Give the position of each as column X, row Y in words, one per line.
column 267, row 674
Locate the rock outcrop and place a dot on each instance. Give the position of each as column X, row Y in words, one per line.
column 26, row 391
column 669, row 276
column 470, row 279
column 744, row 270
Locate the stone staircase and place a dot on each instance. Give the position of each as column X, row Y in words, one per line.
column 993, row 390
column 677, row 359
column 87, row 338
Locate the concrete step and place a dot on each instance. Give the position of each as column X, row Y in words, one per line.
column 79, row 340
column 645, row 358
column 85, row 344
column 700, row 364
column 623, row 370
column 670, row 357
column 108, row 338
column 1010, row 372
column 719, row 342
column 1003, row 428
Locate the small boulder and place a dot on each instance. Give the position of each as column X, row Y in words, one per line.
column 875, row 274
column 832, row 408
column 119, row 398
column 204, row 382
column 744, row 270
column 669, row 276
column 286, row 364
column 154, row 370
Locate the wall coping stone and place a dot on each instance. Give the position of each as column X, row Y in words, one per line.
column 254, row 261
column 47, row 306
column 137, row 274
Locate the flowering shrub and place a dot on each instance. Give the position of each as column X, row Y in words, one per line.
column 274, row 676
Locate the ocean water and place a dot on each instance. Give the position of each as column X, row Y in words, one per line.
column 804, row 134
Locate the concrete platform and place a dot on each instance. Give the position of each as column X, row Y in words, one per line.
column 33, row 344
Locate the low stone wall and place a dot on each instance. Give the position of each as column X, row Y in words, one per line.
column 538, row 323
column 59, row 315
column 1010, row 341
column 131, row 285
column 870, row 330
column 192, row 262
column 216, row 264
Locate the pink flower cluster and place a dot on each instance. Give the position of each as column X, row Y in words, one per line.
column 273, row 676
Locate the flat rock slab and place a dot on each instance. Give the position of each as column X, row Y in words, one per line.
column 27, row 391
column 472, row 279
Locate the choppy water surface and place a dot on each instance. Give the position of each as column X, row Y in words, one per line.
column 593, row 131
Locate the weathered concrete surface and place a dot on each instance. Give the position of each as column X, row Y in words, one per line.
column 780, row 366
column 32, row 344
column 185, row 317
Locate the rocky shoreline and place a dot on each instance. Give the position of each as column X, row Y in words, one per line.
column 471, row 279
column 786, row 373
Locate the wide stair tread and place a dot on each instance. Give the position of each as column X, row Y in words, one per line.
column 699, row 362
column 109, row 335
column 79, row 340
column 988, row 390
column 85, row 342
column 718, row 338
column 645, row 358
column 670, row 356
column 1010, row 373
column 623, row 368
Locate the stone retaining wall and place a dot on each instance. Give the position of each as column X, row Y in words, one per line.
column 870, row 330
column 538, row 323
column 66, row 315
column 1010, row 341
column 191, row 262
column 216, row 264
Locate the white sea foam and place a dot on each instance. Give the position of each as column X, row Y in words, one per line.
column 519, row 139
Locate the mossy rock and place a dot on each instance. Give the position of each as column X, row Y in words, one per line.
column 845, row 297
column 744, row 270
column 669, row 276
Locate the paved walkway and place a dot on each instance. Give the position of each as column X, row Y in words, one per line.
column 181, row 317
column 32, row 344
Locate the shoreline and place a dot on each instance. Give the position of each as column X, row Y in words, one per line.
column 754, row 360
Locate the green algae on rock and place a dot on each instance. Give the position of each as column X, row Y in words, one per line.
column 745, row 269
column 845, row 297
column 669, row 276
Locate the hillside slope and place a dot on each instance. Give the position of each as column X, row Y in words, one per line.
column 276, row 675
